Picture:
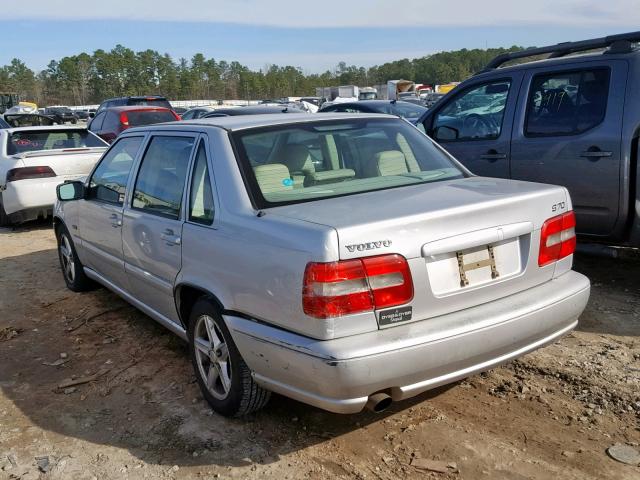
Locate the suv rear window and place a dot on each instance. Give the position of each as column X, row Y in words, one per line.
column 148, row 117
column 31, row 141
column 312, row 160
column 150, row 102
column 567, row 103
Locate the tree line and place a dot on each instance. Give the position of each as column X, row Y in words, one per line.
column 89, row 78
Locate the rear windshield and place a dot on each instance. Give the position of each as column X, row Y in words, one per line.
column 150, row 102
column 308, row 161
column 148, row 117
column 31, row 141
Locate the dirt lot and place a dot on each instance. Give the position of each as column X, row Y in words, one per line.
column 551, row 414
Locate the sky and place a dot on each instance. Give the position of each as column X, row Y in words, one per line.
column 312, row 35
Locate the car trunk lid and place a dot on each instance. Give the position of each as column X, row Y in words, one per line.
column 64, row 162
column 467, row 241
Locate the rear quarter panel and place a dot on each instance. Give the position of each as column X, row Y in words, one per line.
column 255, row 265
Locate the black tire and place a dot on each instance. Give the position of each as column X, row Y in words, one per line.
column 4, row 218
column 243, row 395
column 70, row 264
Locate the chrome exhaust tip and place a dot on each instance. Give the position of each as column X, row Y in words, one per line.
column 378, row 402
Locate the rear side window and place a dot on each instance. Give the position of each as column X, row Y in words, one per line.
column 96, row 123
column 567, row 103
column 162, row 176
column 109, row 180
column 201, row 206
column 31, row 141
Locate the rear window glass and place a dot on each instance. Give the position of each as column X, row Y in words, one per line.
column 308, row 161
column 137, row 119
column 31, row 141
column 150, row 102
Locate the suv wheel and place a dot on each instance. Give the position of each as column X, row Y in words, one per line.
column 72, row 269
column 223, row 376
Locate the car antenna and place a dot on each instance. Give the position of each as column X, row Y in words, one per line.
column 261, row 213
column 286, row 110
column 394, row 100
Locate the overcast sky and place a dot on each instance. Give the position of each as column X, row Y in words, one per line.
column 312, row 35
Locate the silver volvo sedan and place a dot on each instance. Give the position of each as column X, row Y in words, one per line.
column 346, row 261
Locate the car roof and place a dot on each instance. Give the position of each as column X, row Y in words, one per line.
column 137, row 97
column 136, row 108
column 241, row 122
column 257, row 110
column 368, row 103
column 573, row 58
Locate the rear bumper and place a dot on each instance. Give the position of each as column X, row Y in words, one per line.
column 26, row 199
column 339, row 375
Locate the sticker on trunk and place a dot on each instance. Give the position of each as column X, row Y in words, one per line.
column 395, row 315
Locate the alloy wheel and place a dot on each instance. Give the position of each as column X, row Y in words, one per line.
column 212, row 357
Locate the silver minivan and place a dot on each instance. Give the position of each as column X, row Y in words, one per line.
column 346, row 261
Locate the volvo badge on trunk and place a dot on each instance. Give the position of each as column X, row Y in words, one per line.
column 361, row 247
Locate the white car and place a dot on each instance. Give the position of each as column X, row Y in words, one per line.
column 34, row 160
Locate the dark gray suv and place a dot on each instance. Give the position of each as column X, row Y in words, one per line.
column 571, row 119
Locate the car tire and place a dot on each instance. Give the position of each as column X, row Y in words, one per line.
column 74, row 121
column 224, row 378
column 4, row 218
column 72, row 268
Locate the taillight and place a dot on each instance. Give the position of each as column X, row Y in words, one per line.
column 177, row 117
column 351, row 286
column 124, row 119
column 24, row 173
column 557, row 238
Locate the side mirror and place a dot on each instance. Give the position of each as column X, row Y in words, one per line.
column 444, row 132
column 70, row 191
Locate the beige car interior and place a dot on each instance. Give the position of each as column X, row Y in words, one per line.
column 291, row 166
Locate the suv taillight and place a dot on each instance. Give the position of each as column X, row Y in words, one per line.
column 25, row 173
column 557, row 238
column 351, row 286
column 124, row 119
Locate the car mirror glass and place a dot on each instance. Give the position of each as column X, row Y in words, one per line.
column 444, row 132
column 70, row 191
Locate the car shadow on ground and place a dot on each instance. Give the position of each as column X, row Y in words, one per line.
column 42, row 224
column 140, row 393
column 618, row 281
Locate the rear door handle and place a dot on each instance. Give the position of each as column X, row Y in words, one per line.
column 116, row 221
column 595, row 154
column 170, row 237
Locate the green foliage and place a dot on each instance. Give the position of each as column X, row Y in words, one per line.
column 88, row 79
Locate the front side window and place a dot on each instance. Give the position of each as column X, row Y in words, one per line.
column 201, row 206
column 567, row 103
column 109, row 181
column 161, row 178
column 475, row 114
column 313, row 160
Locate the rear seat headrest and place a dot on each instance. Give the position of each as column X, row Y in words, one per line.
column 391, row 162
column 273, row 177
column 297, row 158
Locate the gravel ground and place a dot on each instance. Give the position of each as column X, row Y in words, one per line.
column 551, row 414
